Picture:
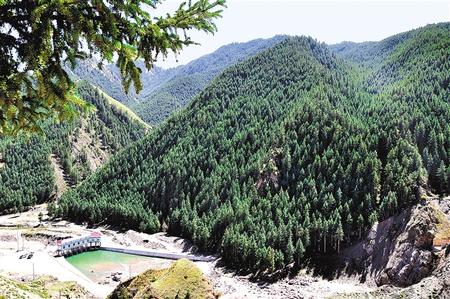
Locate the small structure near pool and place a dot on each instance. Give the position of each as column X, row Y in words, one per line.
column 78, row 244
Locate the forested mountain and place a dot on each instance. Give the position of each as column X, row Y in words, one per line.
column 27, row 174
column 188, row 80
column 292, row 152
column 412, row 88
column 369, row 54
column 107, row 77
column 167, row 90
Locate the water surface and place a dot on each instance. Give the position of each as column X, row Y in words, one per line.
column 99, row 264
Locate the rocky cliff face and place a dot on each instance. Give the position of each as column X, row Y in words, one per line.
column 399, row 251
column 437, row 285
column 410, row 250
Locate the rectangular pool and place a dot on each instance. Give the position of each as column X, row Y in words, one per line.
column 99, row 264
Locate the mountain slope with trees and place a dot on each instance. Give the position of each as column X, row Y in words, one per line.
column 369, row 54
column 293, row 152
column 80, row 146
column 165, row 91
column 180, row 85
column 107, row 78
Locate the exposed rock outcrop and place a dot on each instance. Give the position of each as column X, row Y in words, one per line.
column 411, row 258
column 269, row 176
column 60, row 181
column 437, row 285
column 2, row 162
column 86, row 142
column 399, row 251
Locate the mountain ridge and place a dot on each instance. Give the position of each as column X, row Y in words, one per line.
column 310, row 58
column 168, row 90
column 188, row 80
column 277, row 159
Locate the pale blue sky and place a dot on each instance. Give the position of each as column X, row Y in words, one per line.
column 329, row 21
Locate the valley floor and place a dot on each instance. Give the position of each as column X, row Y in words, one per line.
column 39, row 238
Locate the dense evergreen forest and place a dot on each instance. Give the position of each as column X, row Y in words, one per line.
column 297, row 150
column 26, row 174
column 167, row 90
column 185, row 82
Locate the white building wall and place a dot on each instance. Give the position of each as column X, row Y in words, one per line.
column 82, row 241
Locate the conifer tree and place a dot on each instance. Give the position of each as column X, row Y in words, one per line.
column 38, row 37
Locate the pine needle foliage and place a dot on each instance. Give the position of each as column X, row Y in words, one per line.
column 38, row 36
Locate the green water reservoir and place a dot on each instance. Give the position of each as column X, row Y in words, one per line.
column 98, row 264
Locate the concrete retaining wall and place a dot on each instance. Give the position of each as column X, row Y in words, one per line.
column 158, row 254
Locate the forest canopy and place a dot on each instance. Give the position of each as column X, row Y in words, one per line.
column 26, row 173
column 295, row 151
